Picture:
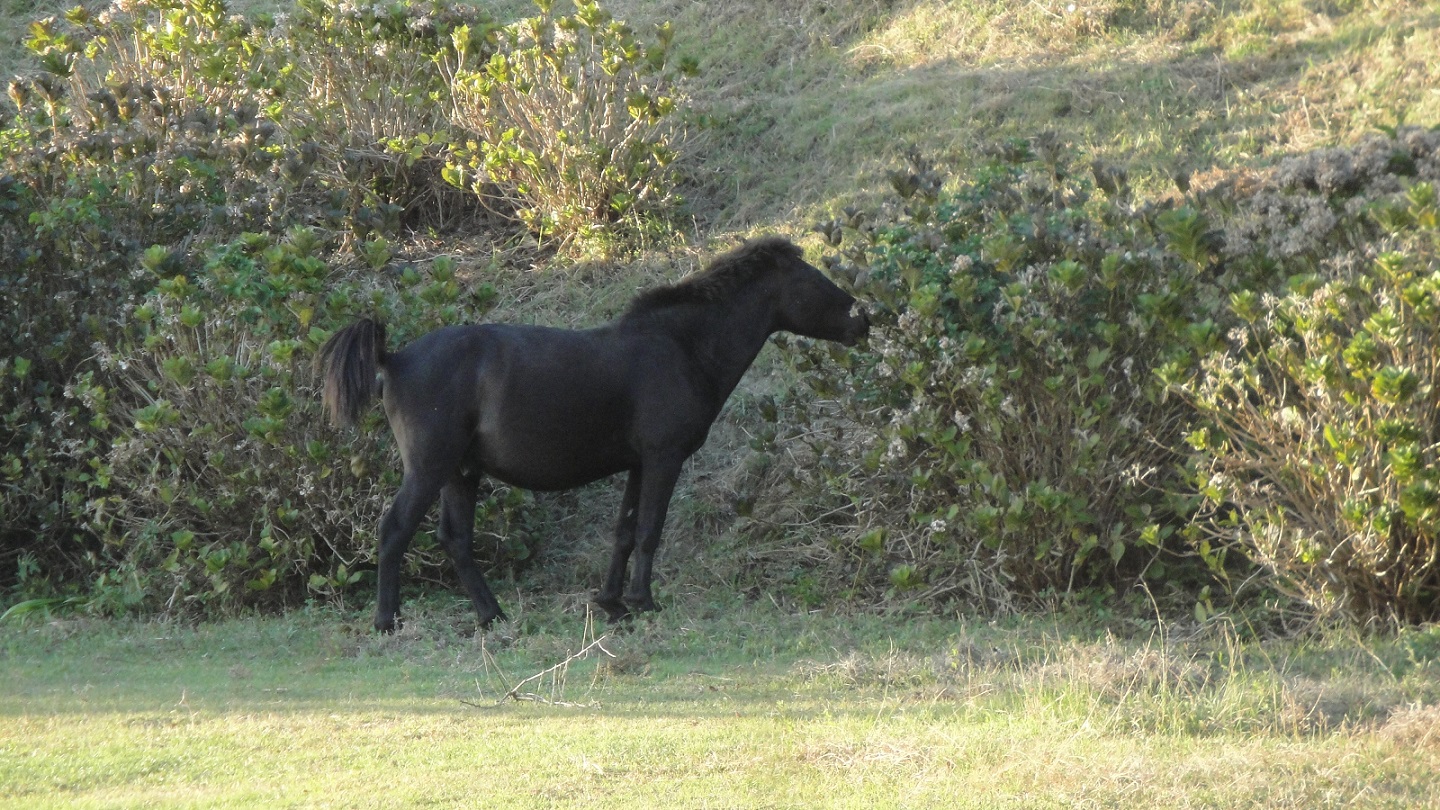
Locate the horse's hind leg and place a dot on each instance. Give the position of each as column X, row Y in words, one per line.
column 401, row 520
column 457, row 530
column 608, row 598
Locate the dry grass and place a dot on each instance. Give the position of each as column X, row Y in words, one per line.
column 1205, row 681
column 1415, row 726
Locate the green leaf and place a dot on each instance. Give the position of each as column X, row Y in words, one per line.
column 1117, row 550
column 1394, row 385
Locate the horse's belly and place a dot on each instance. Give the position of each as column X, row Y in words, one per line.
column 555, row 461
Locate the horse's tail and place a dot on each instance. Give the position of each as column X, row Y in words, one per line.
column 350, row 362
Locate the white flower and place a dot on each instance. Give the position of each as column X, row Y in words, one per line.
column 962, row 421
column 896, row 451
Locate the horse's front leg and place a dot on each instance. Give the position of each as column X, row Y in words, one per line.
column 608, row 597
column 655, row 492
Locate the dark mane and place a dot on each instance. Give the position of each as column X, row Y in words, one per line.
column 721, row 278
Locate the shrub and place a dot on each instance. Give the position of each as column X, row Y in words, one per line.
column 372, row 87
column 185, row 120
column 151, row 122
column 1005, row 437
column 1318, row 454
column 1016, row 428
column 218, row 484
column 570, row 125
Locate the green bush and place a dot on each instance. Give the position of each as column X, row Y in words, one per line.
column 181, row 119
column 372, row 87
column 1005, row 437
column 571, row 124
column 217, row 483
column 150, row 123
column 1318, row 452
column 1066, row 386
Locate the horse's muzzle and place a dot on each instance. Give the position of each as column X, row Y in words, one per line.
column 858, row 327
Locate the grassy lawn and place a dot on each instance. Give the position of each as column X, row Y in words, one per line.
column 712, row 706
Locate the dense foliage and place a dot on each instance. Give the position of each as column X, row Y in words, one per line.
column 570, row 123
column 1008, row 437
column 1319, row 431
column 1018, row 427
column 190, row 202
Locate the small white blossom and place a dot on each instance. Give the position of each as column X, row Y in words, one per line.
column 962, row 421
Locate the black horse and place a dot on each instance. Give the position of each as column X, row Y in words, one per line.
column 552, row 409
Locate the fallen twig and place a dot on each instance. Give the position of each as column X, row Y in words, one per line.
column 516, row 694
column 556, row 673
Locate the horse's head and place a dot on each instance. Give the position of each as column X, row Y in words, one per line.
column 811, row 305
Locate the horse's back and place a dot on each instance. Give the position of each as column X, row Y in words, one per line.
column 535, row 406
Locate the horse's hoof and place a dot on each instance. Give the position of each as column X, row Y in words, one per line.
column 615, row 610
column 642, row 605
column 388, row 623
column 497, row 616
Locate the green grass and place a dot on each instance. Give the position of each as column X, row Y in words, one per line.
column 711, row 705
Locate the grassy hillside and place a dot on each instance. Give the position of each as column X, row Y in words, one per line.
column 809, row 103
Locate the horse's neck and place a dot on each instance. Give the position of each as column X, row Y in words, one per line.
column 725, row 346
